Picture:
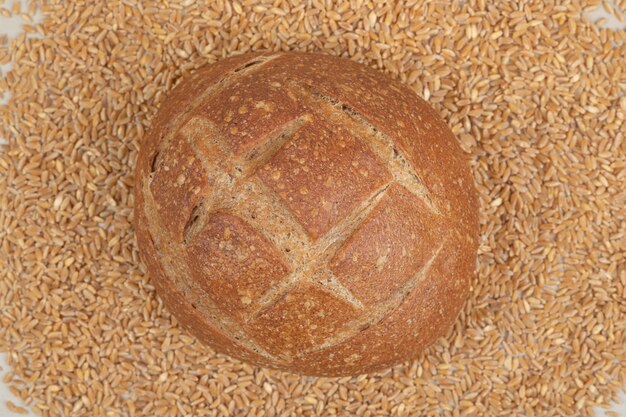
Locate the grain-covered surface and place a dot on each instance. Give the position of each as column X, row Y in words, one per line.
column 534, row 93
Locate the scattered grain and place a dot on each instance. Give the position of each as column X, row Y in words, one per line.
column 15, row 408
column 535, row 94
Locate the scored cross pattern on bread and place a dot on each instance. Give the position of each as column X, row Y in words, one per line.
column 287, row 221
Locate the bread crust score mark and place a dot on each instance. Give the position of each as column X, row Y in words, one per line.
column 180, row 270
column 378, row 142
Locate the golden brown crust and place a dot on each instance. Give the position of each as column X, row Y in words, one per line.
column 228, row 257
column 178, row 183
column 424, row 315
column 251, row 107
column 395, row 241
column 306, row 213
column 322, row 174
column 183, row 97
column 185, row 311
column 306, row 317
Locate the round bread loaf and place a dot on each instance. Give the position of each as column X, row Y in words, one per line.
column 306, row 213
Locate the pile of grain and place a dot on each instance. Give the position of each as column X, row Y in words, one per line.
column 537, row 97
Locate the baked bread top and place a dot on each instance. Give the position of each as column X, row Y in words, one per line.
column 305, row 212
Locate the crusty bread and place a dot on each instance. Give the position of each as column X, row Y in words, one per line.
column 307, row 213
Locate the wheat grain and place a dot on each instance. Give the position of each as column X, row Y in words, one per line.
column 535, row 95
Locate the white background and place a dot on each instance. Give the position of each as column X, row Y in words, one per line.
column 12, row 27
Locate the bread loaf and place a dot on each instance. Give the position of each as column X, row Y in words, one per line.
column 306, row 213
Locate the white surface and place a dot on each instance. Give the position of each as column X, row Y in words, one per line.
column 12, row 26
column 6, row 395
